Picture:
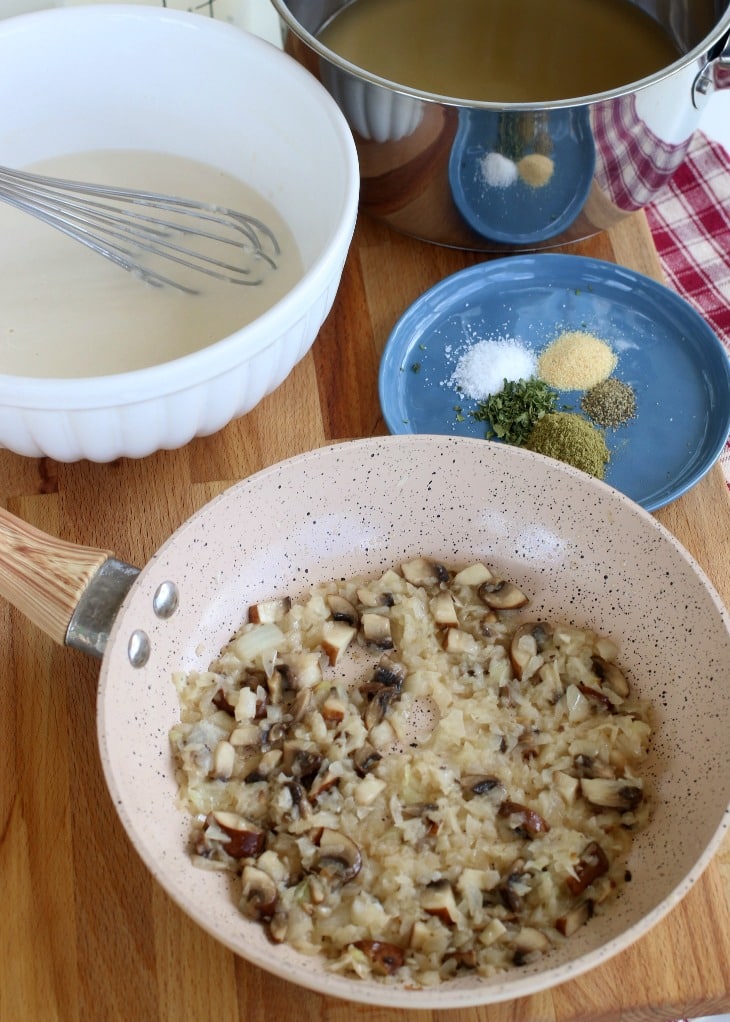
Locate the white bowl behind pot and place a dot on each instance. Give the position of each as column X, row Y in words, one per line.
column 137, row 77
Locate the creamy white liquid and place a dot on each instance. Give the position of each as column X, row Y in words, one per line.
column 67, row 312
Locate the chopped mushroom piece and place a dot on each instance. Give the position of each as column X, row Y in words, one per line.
column 376, row 630
column 278, row 686
column 528, row 640
column 300, row 760
column 385, row 958
column 524, row 820
column 274, row 735
column 338, row 857
column 342, row 610
column 474, row 575
column 478, row 784
column 611, row 793
column 421, row 811
column 511, row 898
column 598, row 697
column 443, row 610
column 324, row 780
column 464, row 959
column 610, row 675
column 334, row 707
column 502, row 595
column 301, row 807
column 592, row 864
column 378, row 706
column 424, row 573
column 223, row 703
column 573, row 920
column 390, row 673
column 336, row 637
column 269, row 611
column 365, row 759
column 244, row 839
column 302, row 670
column 438, row 900
column 258, row 893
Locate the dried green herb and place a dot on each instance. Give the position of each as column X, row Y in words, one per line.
column 514, row 410
column 572, row 439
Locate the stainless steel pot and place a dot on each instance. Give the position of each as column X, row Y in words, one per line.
column 420, row 153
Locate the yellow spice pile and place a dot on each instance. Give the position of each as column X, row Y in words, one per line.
column 535, row 169
column 576, row 360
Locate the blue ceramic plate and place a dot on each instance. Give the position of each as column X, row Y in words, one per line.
column 675, row 363
column 519, row 213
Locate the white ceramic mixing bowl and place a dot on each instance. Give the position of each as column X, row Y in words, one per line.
column 137, row 77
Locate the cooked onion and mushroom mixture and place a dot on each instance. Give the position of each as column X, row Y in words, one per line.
column 410, row 776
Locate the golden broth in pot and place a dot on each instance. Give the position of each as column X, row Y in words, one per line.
column 505, row 51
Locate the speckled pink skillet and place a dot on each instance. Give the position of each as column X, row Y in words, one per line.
column 588, row 554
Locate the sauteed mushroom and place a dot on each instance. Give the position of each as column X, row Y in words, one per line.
column 346, row 751
column 499, row 594
column 338, row 859
column 386, row 958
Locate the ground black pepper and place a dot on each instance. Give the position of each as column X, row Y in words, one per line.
column 610, row 403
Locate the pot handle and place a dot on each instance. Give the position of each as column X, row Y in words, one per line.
column 714, row 75
column 71, row 592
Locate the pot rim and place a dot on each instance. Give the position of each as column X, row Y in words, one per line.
column 699, row 52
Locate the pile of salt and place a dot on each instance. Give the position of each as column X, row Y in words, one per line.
column 484, row 366
column 498, row 171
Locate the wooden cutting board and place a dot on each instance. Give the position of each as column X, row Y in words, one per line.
column 85, row 933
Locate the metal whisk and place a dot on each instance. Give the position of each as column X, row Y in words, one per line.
column 135, row 229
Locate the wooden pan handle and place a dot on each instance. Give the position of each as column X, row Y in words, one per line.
column 42, row 576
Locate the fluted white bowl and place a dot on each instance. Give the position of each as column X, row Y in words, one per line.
column 83, row 78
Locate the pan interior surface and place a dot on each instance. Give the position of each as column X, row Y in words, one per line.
column 585, row 553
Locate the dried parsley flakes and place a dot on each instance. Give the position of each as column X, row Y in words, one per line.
column 514, row 410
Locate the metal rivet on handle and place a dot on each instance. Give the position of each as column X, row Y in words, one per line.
column 138, row 648
column 165, row 600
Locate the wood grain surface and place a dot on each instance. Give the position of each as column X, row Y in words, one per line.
column 85, row 933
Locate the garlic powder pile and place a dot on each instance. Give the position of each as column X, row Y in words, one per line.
column 483, row 368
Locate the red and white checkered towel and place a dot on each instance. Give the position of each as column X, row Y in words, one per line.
column 690, row 224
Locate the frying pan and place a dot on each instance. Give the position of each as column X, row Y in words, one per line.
column 586, row 553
